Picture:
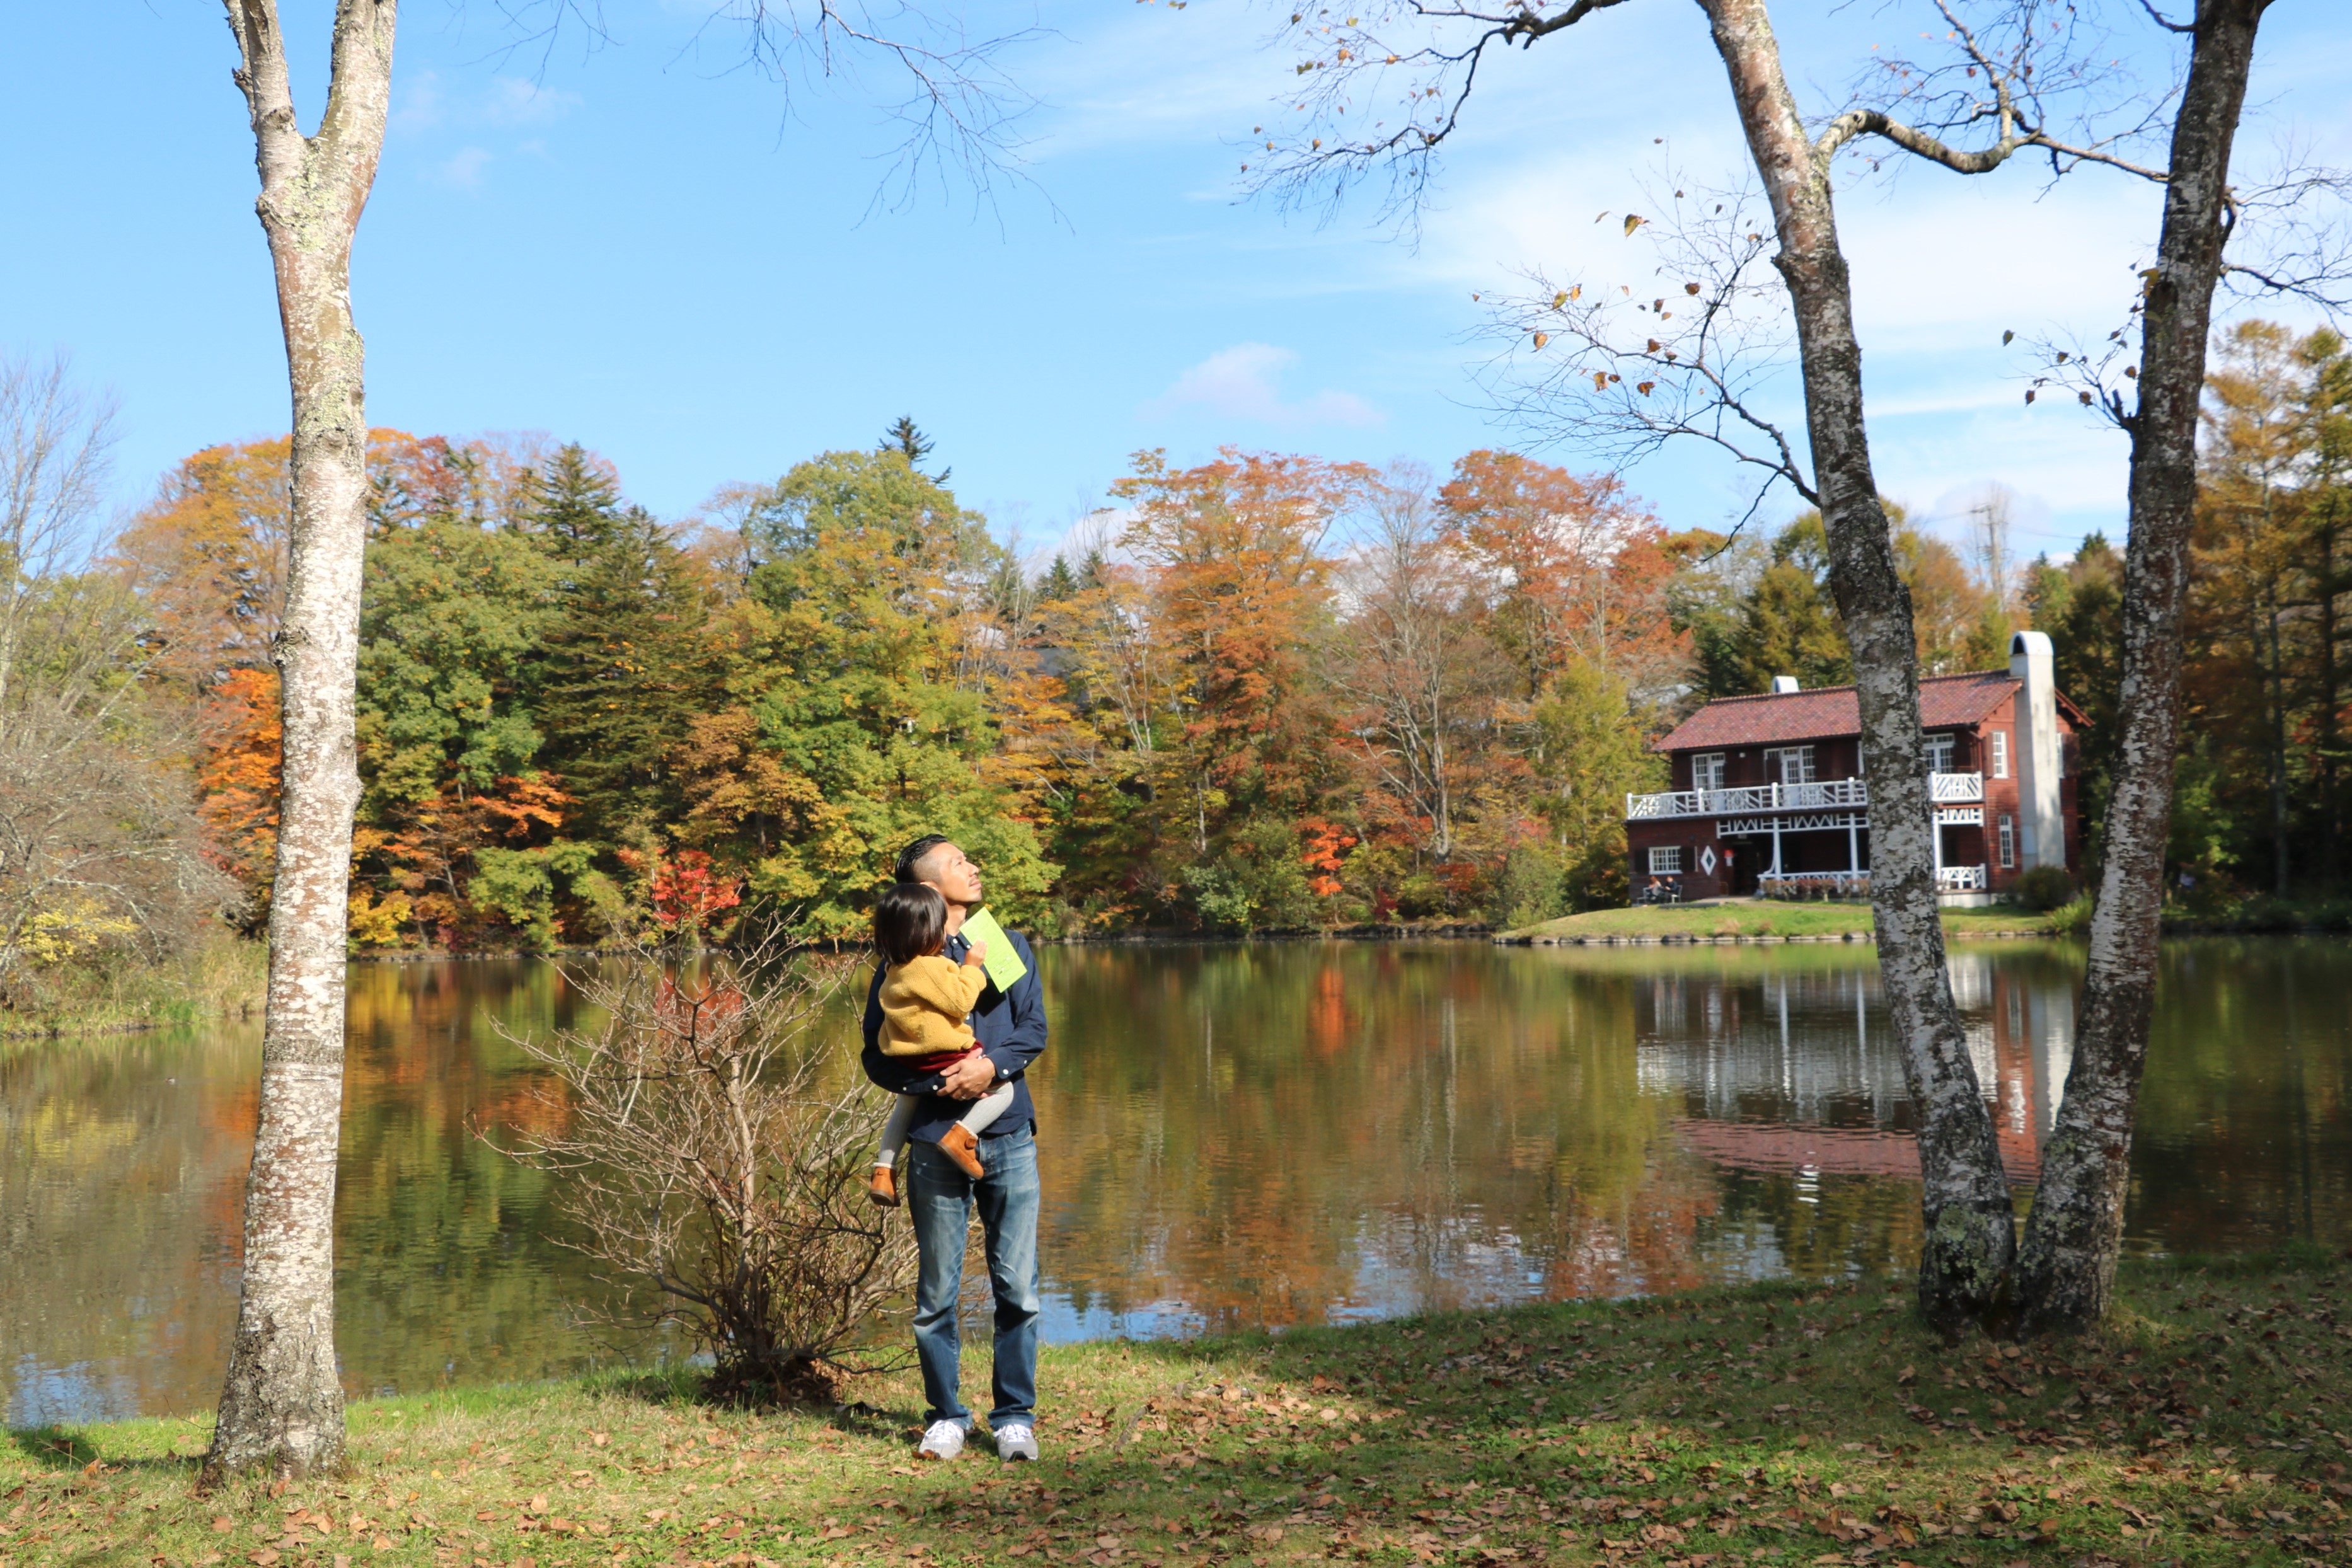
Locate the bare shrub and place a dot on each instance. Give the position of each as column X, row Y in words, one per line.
column 710, row 1168
column 102, row 857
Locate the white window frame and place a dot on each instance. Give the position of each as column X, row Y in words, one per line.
column 1665, row 860
column 1775, row 762
column 2000, row 753
column 2009, row 843
column 1707, row 770
column 1938, row 750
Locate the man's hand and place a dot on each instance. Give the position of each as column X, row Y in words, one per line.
column 969, row 1078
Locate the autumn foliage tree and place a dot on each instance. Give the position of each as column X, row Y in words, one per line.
column 1579, row 566
column 1234, row 552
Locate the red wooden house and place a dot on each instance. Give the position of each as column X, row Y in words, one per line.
column 1768, row 793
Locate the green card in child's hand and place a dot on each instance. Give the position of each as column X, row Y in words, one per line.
column 1004, row 965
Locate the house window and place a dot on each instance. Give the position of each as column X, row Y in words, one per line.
column 2008, row 841
column 2000, row 753
column 1666, row 860
column 1706, row 771
column 1938, row 750
column 1790, row 765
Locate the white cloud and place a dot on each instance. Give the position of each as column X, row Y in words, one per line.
column 463, row 170
column 426, row 102
column 512, row 100
column 419, row 108
column 1152, row 75
column 1241, row 383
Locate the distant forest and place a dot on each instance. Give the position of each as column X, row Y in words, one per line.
column 1269, row 691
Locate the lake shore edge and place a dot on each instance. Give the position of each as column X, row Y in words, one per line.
column 1733, row 922
column 1773, row 1423
column 210, row 990
column 220, row 979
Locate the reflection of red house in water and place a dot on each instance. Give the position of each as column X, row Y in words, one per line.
column 2022, row 1037
column 1769, row 789
column 1835, row 1150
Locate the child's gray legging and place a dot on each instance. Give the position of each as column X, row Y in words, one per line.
column 984, row 1110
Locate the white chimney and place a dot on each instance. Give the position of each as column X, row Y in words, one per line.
column 2036, row 744
column 1783, row 683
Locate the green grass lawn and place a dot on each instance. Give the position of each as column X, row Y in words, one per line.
column 1766, row 1425
column 1763, row 918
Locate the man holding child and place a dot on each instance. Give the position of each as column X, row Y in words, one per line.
column 1009, row 1024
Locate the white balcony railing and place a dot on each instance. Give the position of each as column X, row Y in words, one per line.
column 1960, row 880
column 1947, row 789
column 1747, row 799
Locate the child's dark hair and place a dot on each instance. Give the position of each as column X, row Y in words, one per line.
column 910, row 922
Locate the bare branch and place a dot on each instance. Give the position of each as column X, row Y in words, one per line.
column 1344, row 61
column 2031, row 62
column 2097, row 378
column 1626, row 376
column 2291, row 235
column 960, row 108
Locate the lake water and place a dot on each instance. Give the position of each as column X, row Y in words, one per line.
column 1239, row 1134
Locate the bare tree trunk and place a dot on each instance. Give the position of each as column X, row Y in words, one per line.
column 2330, row 736
column 282, row 1405
column 1970, row 1241
column 2281, row 875
column 2067, row 1269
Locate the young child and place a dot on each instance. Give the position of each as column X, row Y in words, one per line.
column 925, row 1000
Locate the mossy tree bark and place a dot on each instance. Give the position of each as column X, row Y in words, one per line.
column 282, row 1406
column 2075, row 1232
column 1970, row 1235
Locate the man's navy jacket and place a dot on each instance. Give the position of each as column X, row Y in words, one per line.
column 1012, row 1033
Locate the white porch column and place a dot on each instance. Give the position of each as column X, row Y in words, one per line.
column 1853, row 846
column 1776, row 847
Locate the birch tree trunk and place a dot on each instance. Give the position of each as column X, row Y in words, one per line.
column 282, row 1406
column 1970, row 1239
column 2067, row 1270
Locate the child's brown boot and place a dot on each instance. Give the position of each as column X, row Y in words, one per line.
column 958, row 1144
column 884, row 1188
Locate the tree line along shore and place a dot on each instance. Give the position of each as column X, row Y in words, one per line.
column 1268, row 692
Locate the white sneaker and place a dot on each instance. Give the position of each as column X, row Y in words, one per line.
column 1016, row 1441
column 944, row 1441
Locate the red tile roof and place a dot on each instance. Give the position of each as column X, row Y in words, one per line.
column 1946, row 701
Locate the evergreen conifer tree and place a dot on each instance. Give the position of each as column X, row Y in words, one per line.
column 906, row 439
column 614, row 680
column 1790, row 623
column 1059, row 584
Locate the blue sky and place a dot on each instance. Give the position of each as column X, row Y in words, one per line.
column 646, row 249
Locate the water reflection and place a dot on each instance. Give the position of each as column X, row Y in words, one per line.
column 1790, row 1072
column 1236, row 1134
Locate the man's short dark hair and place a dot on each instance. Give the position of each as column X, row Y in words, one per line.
column 910, row 922
column 911, row 858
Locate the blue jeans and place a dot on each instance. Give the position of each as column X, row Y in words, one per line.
column 940, row 1199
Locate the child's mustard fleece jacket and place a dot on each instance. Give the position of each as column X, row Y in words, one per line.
column 924, row 1005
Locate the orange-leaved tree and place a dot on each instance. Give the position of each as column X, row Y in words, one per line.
column 1579, row 564
column 1233, row 552
column 209, row 558
column 238, row 780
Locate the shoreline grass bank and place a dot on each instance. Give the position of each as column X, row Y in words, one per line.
column 225, row 977
column 1769, row 1424
column 1770, row 921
